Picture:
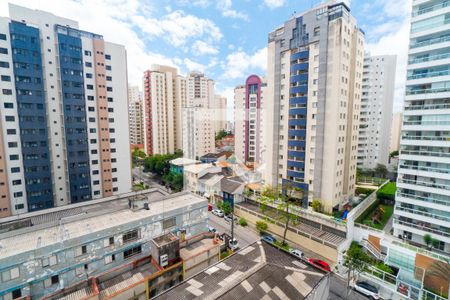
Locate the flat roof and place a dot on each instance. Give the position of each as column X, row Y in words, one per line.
column 197, row 168
column 182, row 161
column 31, row 238
column 165, row 239
column 198, row 247
column 258, row 271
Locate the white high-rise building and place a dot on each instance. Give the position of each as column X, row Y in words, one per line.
column 164, row 94
column 375, row 117
column 314, row 76
column 64, row 126
column 199, row 116
column 396, row 128
column 423, row 185
column 220, row 108
column 249, row 120
column 136, row 117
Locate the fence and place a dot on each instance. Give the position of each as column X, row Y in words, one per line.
column 365, row 204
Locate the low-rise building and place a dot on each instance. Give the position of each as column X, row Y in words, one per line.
column 177, row 165
column 215, row 157
column 43, row 253
column 193, row 173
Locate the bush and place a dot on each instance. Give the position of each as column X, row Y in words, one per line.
column 261, row 226
column 367, row 212
column 243, row 222
column 362, row 190
column 384, row 268
column 316, row 205
column 387, row 192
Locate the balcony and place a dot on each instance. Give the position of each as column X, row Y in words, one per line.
column 427, row 91
column 426, row 169
column 429, row 58
column 422, row 213
column 425, row 199
column 425, row 153
column 426, row 138
column 428, row 106
column 430, row 26
column 431, row 8
column 430, row 42
column 421, row 227
column 429, row 74
column 425, row 183
column 426, row 123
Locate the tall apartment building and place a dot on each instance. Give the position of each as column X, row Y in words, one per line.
column 375, row 115
column 64, row 127
column 220, row 108
column 199, row 116
column 164, row 95
column 135, row 116
column 423, row 184
column 249, row 120
column 314, row 76
column 396, row 128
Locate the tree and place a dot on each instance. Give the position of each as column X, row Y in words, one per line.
column 427, row 239
column 393, row 153
column 243, row 222
column 283, row 200
column 261, row 226
column 435, row 243
column 381, row 170
column 221, row 134
column 316, row 205
column 355, row 260
column 226, row 207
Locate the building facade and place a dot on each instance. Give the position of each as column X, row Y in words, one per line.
column 249, row 119
column 64, row 92
column 423, row 183
column 220, row 108
column 396, row 128
column 314, row 75
column 136, row 117
column 164, row 95
column 375, row 117
column 199, row 116
column 101, row 236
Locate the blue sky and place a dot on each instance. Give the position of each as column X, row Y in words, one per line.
column 225, row 39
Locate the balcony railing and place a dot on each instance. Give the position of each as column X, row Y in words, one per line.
column 426, row 123
column 430, row 42
column 422, row 213
column 426, row 138
column 429, row 58
column 429, row 74
column 429, row 26
column 426, row 169
column 425, row 183
column 428, row 106
column 425, row 153
column 421, row 227
column 430, row 8
column 426, row 199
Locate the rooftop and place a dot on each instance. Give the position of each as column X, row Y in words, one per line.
column 217, row 155
column 198, row 168
column 165, row 239
column 231, row 184
column 258, row 271
column 93, row 216
column 181, row 161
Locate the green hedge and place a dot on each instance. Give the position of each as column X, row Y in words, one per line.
column 387, row 192
column 367, row 212
column 362, row 190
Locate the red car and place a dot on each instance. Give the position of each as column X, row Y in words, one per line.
column 210, row 207
column 320, row 263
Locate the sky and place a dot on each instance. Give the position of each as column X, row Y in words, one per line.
column 225, row 39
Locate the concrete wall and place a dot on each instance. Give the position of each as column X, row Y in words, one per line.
column 324, row 250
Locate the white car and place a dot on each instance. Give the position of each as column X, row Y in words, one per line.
column 296, row 252
column 212, row 229
column 217, row 212
column 233, row 244
column 367, row 289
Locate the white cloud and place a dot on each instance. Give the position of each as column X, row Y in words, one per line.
column 197, row 3
column 225, row 6
column 202, row 48
column 178, row 28
column 274, row 3
column 239, row 63
column 191, row 65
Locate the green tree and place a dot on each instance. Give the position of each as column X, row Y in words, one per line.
column 316, row 205
column 261, row 226
column 137, row 153
column 226, row 207
column 221, row 134
column 393, row 153
column 427, row 239
column 381, row 170
column 283, row 199
column 355, row 260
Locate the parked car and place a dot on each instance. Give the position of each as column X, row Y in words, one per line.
column 268, row 238
column 212, row 229
column 228, row 218
column 210, row 207
column 296, row 252
column 367, row 289
column 217, row 212
column 233, row 244
column 320, row 263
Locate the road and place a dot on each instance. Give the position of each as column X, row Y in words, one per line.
column 146, row 178
column 338, row 289
column 244, row 235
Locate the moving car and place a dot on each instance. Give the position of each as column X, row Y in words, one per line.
column 217, row 212
column 320, row 263
column 296, row 252
column 228, row 218
column 367, row 289
column 268, row 238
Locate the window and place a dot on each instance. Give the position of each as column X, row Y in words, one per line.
column 3, row 51
column 10, row 274
column 51, row 281
column 109, row 89
column 88, row 75
column 109, row 259
column 10, row 131
column 4, row 64
column 169, row 223
column 6, row 78
column 107, row 56
column 49, row 261
column 108, row 78
column 7, row 92
column 108, row 242
column 3, row 36
column 90, row 98
column 131, row 252
column 108, row 68
column 16, row 294
column 89, row 86
column 88, row 64
column 81, row 250
column 17, row 182
column 9, row 118
column 87, row 53
column 14, row 157
column 130, row 236
column 12, row 144
column 8, row 105
column 15, row 170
